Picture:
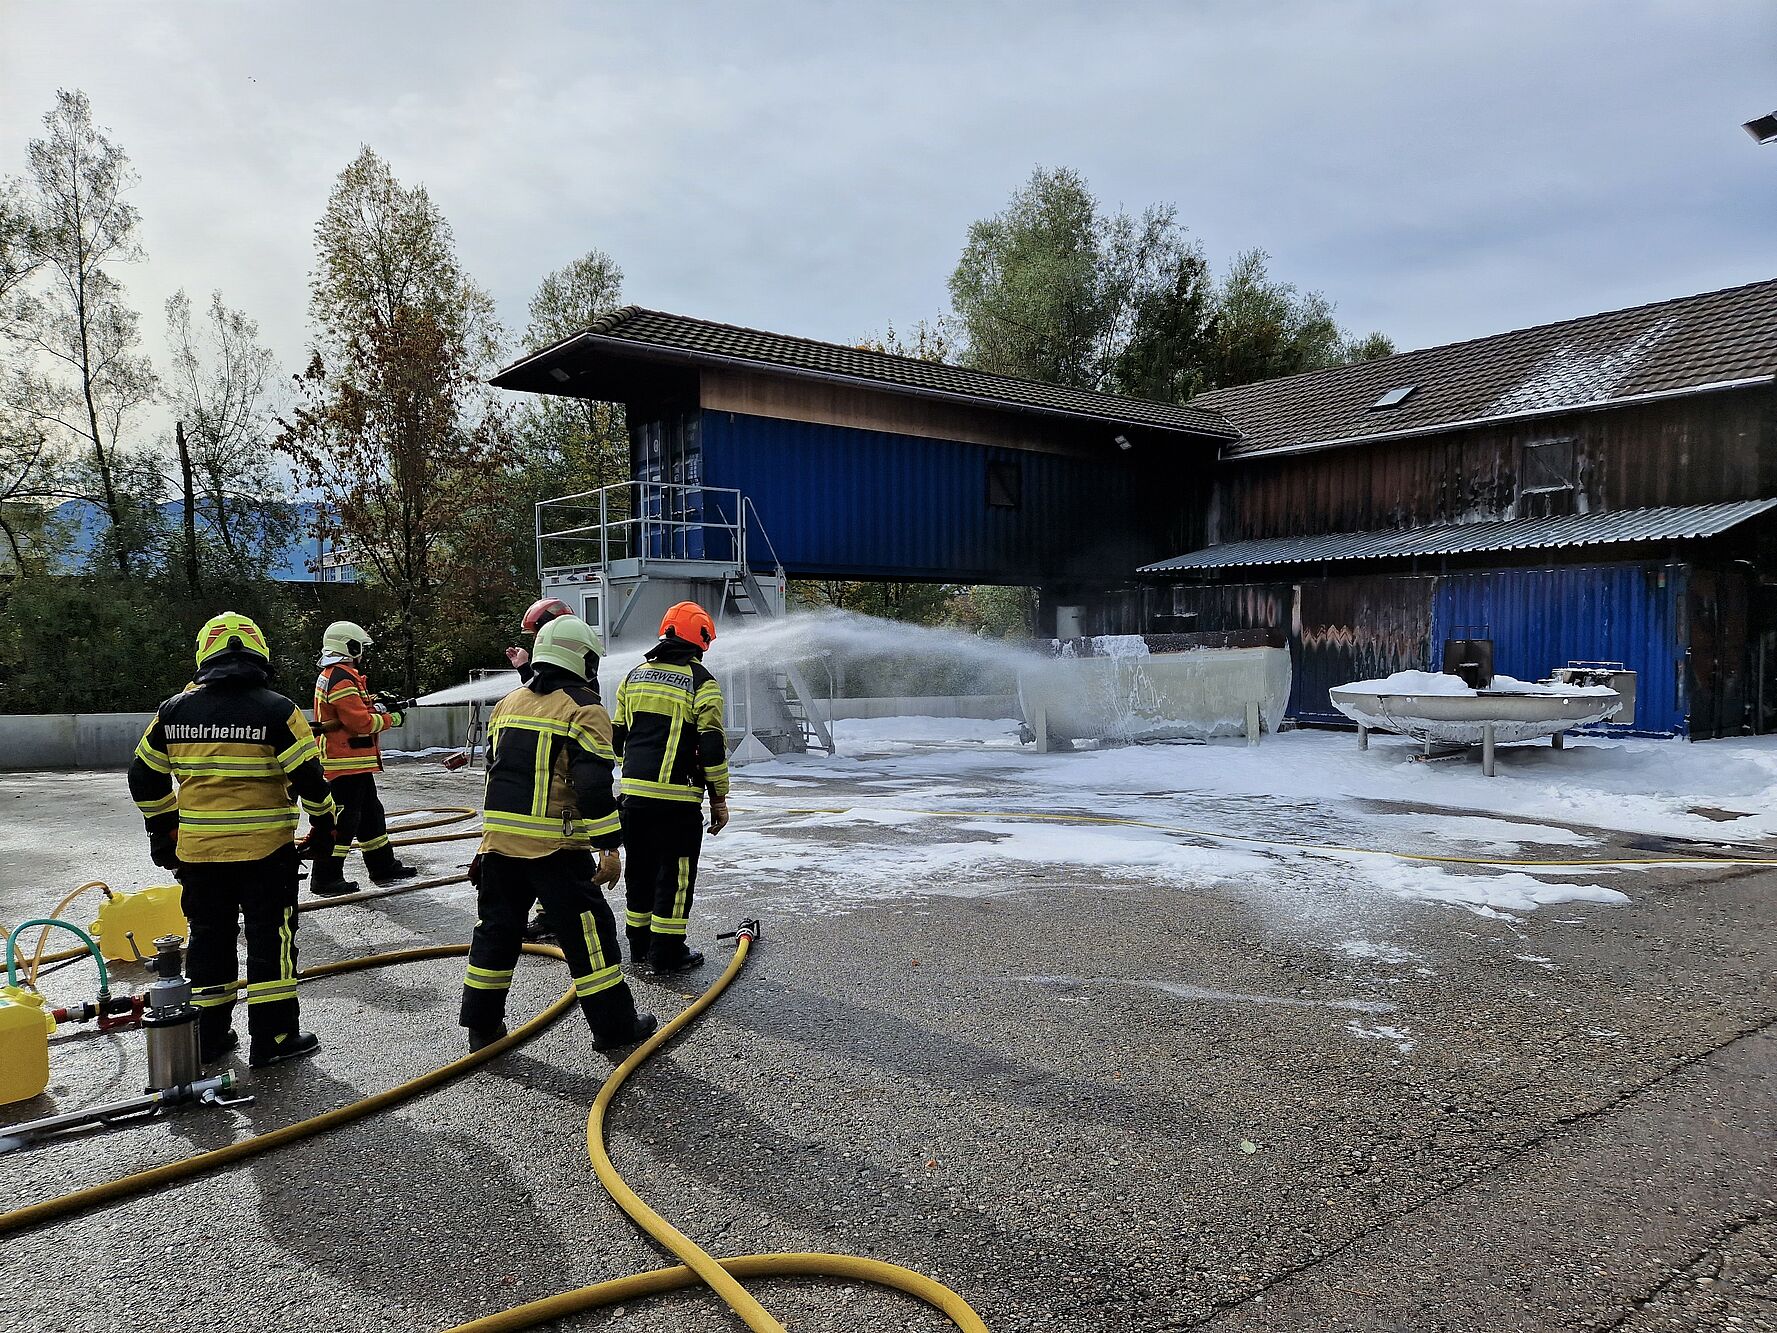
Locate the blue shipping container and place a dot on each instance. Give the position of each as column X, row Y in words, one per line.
column 1540, row 619
column 848, row 503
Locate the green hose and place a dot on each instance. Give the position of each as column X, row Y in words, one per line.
column 12, row 970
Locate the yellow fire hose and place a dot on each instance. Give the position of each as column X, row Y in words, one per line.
column 442, row 816
column 37, row 1214
column 698, row 1265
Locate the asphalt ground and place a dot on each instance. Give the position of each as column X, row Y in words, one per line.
column 1087, row 1100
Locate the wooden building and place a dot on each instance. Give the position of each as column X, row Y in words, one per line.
column 1599, row 488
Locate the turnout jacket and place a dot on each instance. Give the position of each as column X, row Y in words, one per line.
column 342, row 695
column 549, row 770
column 669, row 728
column 241, row 755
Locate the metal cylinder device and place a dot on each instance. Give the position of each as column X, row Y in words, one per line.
column 169, row 1019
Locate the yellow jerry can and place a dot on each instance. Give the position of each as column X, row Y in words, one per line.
column 25, row 1026
column 148, row 914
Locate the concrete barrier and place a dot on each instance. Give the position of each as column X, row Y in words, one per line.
column 107, row 740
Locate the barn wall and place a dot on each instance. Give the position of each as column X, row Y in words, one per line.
column 1694, row 450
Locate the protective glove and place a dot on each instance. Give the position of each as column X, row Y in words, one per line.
column 718, row 814
column 610, row 868
column 396, row 717
column 163, row 850
column 318, row 842
column 475, row 870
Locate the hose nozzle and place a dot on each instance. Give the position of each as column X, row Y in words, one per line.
column 748, row 929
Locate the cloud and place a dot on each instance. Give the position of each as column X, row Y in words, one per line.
column 1439, row 171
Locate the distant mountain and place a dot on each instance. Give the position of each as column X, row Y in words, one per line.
column 296, row 563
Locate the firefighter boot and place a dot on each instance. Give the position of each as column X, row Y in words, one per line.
column 385, row 869
column 209, row 1053
column 686, row 960
column 285, row 1046
column 480, row 1037
column 639, row 941
column 329, row 879
column 644, row 1028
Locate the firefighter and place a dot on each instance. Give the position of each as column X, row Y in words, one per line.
column 669, row 736
column 237, row 750
column 540, row 613
column 351, row 719
column 549, row 805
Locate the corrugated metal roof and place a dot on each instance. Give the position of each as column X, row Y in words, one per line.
column 1672, row 523
column 1714, row 340
column 707, row 341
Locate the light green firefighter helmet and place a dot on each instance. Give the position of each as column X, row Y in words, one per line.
column 569, row 643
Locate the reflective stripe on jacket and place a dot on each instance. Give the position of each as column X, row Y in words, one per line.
column 224, row 764
column 342, row 695
column 549, row 771
column 669, row 729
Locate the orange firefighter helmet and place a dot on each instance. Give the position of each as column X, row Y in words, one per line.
column 690, row 622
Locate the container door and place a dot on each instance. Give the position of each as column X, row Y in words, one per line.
column 1716, row 661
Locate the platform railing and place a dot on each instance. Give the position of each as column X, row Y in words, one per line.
column 640, row 520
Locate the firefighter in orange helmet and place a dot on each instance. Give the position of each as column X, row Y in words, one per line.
column 669, row 734
column 351, row 720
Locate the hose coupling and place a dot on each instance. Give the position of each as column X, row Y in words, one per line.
column 748, row 929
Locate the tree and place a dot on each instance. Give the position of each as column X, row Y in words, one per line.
column 25, row 484
column 219, row 383
column 1049, row 288
column 928, row 340
column 394, row 425
column 572, row 444
column 77, row 323
column 1056, row 288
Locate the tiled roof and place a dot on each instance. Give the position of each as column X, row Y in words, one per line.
column 1683, row 345
column 701, row 339
column 1675, row 523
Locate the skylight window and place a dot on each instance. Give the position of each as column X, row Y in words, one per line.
column 1395, row 396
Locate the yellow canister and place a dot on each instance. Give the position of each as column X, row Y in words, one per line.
column 25, row 1026
column 148, row 914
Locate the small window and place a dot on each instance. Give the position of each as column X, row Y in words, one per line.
column 1005, row 484
column 590, row 610
column 1395, row 396
column 1547, row 466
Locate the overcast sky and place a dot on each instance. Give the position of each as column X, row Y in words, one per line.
column 1438, row 170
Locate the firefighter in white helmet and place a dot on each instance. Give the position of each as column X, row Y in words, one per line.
column 351, row 720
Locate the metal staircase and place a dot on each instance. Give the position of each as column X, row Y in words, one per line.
column 787, row 684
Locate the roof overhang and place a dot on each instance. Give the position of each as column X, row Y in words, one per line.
column 592, row 365
column 1618, row 527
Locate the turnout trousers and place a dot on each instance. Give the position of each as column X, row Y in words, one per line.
column 584, row 928
column 217, row 897
column 662, row 839
column 361, row 818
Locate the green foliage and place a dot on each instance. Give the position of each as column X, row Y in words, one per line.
column 98, row 643
column 396, row 428
column 1055, row 288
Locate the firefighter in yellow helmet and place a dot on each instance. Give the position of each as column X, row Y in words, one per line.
column 549, row 807
column 351, row 719
column 669, row 735
column 242, row 755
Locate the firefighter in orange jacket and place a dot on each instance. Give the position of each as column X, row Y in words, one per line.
column 350, row 719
